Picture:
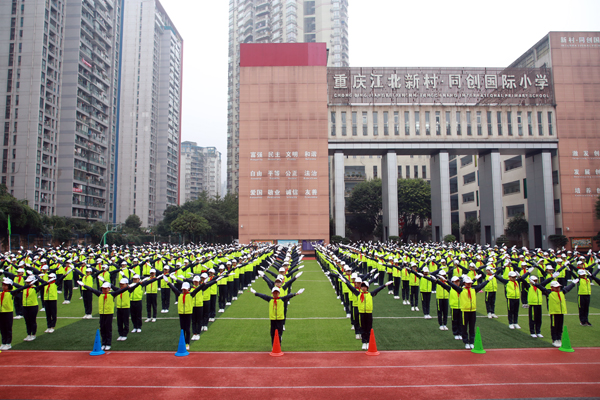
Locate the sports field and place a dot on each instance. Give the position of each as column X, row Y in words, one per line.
column 316, row 322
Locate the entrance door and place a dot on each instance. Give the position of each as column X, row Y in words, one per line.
column 537, row 236
column 437, row 234
column 488, row 234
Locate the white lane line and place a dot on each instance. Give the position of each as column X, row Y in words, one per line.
column 353, row 387
column 304, row 367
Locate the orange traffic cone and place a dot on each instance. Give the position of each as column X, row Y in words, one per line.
column 276, row 352
column 372, row 345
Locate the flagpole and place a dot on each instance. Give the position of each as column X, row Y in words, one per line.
column 9, row 233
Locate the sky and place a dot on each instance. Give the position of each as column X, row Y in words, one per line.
column 382, row 33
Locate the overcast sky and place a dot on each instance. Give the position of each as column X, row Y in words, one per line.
column 383, row 33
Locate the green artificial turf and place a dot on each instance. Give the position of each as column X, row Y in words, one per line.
column 316, row 322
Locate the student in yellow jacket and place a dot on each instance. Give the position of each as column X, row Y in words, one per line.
column 276, row 309
column 557, row 306
column 6, row 312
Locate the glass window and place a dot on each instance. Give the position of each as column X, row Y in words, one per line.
column 540, row 126
column 458, row 123
column 499, row 122
column 478, row 123
column 406, row 123
column 427, row 125
column 529, row 124
column 489, row 123
column 408, row 172
column 509, row 120
column 469, row 133
column 396, row 123
column 365, row 123
column 416, row 169
column 438, row 127
column 550, row 132
column 374, row 171
column 448, row 124
column 519, row 123
column 424, row 172
column 375, row 124
column 469, row 178
column 555, row 177
column 511, row 187
column 386, row 131
column 333, row 123
column 354, row 124
column 466, row 160
column 343, row 123
column 511, row 211
column 512, row 163
column 468, row 197
column 417, row 123
column 399, row 171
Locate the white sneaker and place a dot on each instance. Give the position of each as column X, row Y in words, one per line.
column 47, row 330
column 540, row 335
column 511, row 326
column 490, row 315
column 467, row 346
column 175, row 302
column 32, row 338
column 193, row 337
column 27, row 339
column 107, row 348
column 556, row 343
column 338, row 297
column 351, row 327
column 228, row 303
column 416, row 308
column 124, row 338
column 51, row 330
column 81, row 298
column 472, row 345
column 147, row 320
column 187, row 346
column 59, row 291
column 134, row 330
column 397, row 297
column 68, row 301
column 494, row 316
column 221, row 310
column 533, row 335
column 153, row 319
column 445, row 328
column 456, row 337
column 235, row 298
column 17, row 317
column 166, row 311
column 517, row 326
column 43, row 309
column 357, row 336
column 139, row 330
column 103, row 347
column 459, row 337
column 284, row 327
column 211, row 320
column 365, row 346
column 120, row 338
column 441, row 327
column 412, row 309
column 240, row 291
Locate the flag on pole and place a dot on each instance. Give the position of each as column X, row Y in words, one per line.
column 9, row 230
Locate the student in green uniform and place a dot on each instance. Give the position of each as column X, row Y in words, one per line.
column 276, row 309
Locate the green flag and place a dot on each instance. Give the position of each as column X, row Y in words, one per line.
column 9, row 230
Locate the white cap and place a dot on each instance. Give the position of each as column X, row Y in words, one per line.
column 196, row 278
column 467, row 280
column 136, row 276
column 52, row 276
column 555, row 284
column 124, row 263
column 489, row 268
column 533, row 278
column 20, row 270
column 358, row 280
column 44, row 267
column 212, row 271
column 7, row 281
column 281, row 269
column 30, row 278
column 512, row 274
column 221, row 267
column 454, row 278
column 581, row 272
column 106, row 284
column 185, row 286
column 280, row 278
column 425, row 269
column 275, row 289
column 443, row 273
column 366, row 283
column 88, row 269
column 204, row 275
column 124, row 281
column 152, row 271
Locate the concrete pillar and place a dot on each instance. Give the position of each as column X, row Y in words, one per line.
column 339, row 205
column 540, row 199
column 440, row 196
column 389, row 186
column 490, row 195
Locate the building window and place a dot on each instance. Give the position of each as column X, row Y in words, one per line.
column 374, row 171
column 478, row 123
column 489, row 123
column 539, row 121
column 386, row 129
column 375, row 124
column 499, row 122
column 556, row 206
column 416, row 169
column 424, row 172
column 511, row 187
column 468, row 197
column 354, row 124
column 399, row 171
column 438, row 127
column 407, row 172
column 466, row 160
column 529, row 124
column 511, row 211
column 458, row 123
column 406, row 123
column 343, row 123
column 525, row 188
column 469, row 132
column 365, row 125
column 555, row 177
column 470, row 215
column 417, row 123
column 427, row 125
column 509, row 120
column 469, row 178
column 550, row 132
column 396, row 123
column 519, row 123
column 512, row 163
column 333, row 123
column 448, row 124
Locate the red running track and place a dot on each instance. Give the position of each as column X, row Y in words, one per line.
column 501, row 373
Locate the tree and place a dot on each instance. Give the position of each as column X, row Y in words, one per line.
column 414, row 201
column 133, row 222
column 365, row 201
column 470, row 229
column 449, row 238
column 63, row 234
column 190, row 224
column 23, row 219
column 558, row 241
column 518, row 226
column 362, row 225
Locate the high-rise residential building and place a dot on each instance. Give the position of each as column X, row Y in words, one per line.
column 200, row 172
column 59, row 65
column 278, row 21
column 150, row 113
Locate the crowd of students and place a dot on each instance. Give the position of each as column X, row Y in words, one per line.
column 455, row 274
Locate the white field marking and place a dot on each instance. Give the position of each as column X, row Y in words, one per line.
column 305, row 367
column 302, row 387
